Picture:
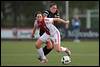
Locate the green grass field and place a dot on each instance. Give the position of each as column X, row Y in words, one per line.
column 24, row 53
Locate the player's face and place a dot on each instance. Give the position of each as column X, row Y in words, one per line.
column 53, row 9
column 39, row 17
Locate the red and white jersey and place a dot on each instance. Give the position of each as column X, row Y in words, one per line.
column 47, row 26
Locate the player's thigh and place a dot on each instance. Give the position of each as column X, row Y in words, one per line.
column 56, row 41
column 44, row 37
column 38, row 43
column 57, row 47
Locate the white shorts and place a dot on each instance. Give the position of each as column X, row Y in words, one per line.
column 55, row 38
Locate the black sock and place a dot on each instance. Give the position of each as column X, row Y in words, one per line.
column 46, row 51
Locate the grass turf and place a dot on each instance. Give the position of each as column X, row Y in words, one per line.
column 24, row 53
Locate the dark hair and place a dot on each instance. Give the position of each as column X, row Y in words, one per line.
column 52, row 4
column 38, row 12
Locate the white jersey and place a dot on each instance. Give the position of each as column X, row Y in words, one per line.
column 49, row 28
column 49, row 25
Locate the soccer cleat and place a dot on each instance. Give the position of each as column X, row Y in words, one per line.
column 68, row 52
column 44, row 61
column 39, row 58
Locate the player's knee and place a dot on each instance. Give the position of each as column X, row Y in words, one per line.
column 49, row 44
column 48, row 47
column 38, row 44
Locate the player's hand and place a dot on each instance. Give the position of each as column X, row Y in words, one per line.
column 67, row 24
column 32, row 35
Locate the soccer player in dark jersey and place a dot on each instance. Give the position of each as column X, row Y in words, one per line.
column 51, row 13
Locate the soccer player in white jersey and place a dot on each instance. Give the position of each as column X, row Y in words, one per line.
column 51, row 33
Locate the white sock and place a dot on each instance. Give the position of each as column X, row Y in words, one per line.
column 63, row 49
column 41, row 53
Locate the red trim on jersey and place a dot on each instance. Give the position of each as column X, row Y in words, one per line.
column 42, row 26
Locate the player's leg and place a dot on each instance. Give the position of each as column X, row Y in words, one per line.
column 43, row 38
column 39, row 49
column 76, row 35
column 47, row 49
column 57, row 46
column 49, row 44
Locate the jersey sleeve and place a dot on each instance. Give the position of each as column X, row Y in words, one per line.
column 46, row 13
column 57, row 15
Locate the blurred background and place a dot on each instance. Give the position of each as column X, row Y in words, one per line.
column 17, row 18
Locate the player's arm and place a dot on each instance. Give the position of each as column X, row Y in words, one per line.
column 46, row 13
column 58, row 20
column 62, row 21
column 34, row 29
column 57, row 15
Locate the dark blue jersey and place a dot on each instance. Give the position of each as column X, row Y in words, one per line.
column 75, row 23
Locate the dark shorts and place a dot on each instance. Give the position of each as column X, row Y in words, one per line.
column 41, row 32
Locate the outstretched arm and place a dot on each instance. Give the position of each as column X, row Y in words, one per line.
column 61, row 20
